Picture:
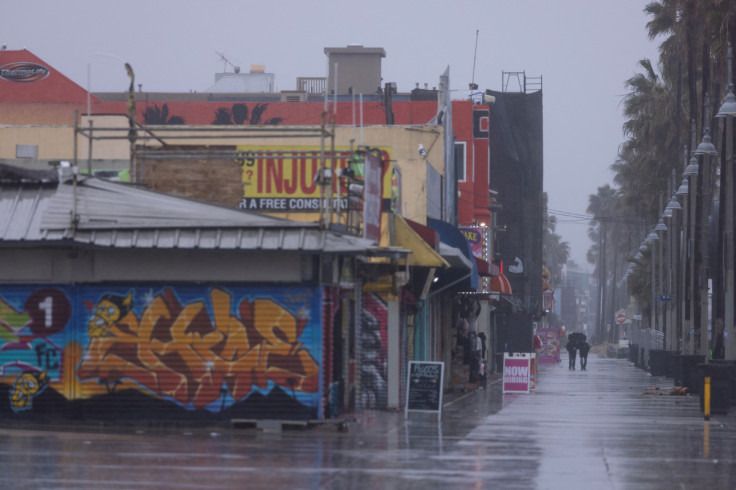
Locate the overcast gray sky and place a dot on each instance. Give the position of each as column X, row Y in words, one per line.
column 583, row 49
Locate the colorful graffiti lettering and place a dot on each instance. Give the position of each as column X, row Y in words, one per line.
column 26, row 387
column 11, row 319
column 191, row 356
column 27, row 335
column 374, row 317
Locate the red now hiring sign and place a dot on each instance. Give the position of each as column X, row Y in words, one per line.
column 516, row 373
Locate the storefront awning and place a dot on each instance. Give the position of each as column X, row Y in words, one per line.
column 455, row 257
column 463, row 270
column 422, row 254
column 500, row 284
column 486, row 269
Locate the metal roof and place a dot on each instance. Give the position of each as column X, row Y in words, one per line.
column 21, row 208
column 115, row 215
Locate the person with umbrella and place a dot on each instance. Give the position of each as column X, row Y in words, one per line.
column 584, row 348
column 571, row 347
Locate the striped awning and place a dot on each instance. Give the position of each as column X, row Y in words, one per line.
column 501, row 285
column 485, row 268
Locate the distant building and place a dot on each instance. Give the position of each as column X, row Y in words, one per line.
column 354, row 69
column 257, row 81
column 575, row 310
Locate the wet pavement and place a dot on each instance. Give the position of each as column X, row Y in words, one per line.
column 611, row 427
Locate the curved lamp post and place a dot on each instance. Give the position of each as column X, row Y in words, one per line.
column 706, row 149
column 727, row 111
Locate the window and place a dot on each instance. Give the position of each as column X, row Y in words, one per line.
column 26, row 151
column 460, row 161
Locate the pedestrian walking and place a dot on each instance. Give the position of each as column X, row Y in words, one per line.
column 584, row 349
column 571, row 347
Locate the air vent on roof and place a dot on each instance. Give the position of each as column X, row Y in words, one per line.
column 293, row 96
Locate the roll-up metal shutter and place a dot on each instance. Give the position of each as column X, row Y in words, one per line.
column 36, row 344
column 186, row 352
column 373, row 351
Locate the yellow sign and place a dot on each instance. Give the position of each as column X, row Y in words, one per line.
column 284, row 178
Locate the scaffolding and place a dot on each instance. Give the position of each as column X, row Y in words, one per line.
column 337, row 211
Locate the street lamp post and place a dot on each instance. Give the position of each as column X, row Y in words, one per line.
column 131, row 113
column 650, row 239
column 660, row 228
column 671, row 336
column 727, row 111
column 683, row 191
column 706, row 149
column 689, row 280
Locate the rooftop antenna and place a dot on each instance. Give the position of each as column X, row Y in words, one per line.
column 226, row 62
column 473, row 85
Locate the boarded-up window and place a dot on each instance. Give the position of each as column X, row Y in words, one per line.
column 460, row 161
column 26, row 151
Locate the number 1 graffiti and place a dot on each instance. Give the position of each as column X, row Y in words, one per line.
column 27, row 345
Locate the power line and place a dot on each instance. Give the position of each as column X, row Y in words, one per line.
column 578, row 217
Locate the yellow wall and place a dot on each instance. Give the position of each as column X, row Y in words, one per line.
column 57, row 142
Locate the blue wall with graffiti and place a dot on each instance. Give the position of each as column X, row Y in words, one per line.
column 160, row 352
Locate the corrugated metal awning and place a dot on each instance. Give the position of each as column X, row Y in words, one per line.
column 115, row 215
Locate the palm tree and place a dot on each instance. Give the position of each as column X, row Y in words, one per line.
column 645, row 162
column 556, row 251
column 661, row 100
column 223, row 117
column 607, row 230
column 238, row 114
column 155, row 115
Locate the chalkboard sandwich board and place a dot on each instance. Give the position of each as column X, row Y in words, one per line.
column 424, row 387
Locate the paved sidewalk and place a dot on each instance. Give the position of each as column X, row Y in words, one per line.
column 611, row 426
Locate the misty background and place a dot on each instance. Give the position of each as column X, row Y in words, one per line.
column 584, row 51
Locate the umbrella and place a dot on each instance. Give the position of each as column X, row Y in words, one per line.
column 577, row 337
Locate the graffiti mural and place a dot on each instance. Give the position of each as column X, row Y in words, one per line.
column 373, row 354
column 25, row 388
column 32, row 322
column 236, row 351
column 207, row 351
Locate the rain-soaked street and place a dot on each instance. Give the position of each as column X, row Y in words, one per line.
column 607, row 427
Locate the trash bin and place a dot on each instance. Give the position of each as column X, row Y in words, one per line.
column 669, row 366
column 657, row 362
column 610, row 351
column 622, row 352
column 677, row 369
column 634, row 353
column 731, row 373
column 689, row 365
column 720, row 386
